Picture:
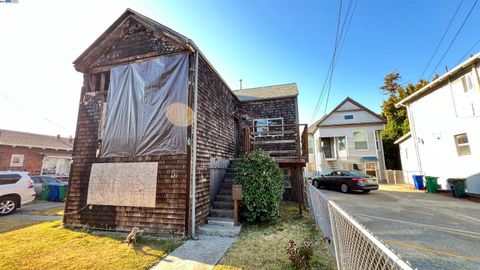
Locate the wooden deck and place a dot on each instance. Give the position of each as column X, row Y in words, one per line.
column 287, row 144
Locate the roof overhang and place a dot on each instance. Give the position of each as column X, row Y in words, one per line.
column 438, row 81
column 403, row 138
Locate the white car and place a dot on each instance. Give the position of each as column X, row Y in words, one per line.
column 16, row 189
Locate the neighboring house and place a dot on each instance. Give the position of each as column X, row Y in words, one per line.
column 408, row 156
column 347, row 138
column 444, row 118
column 35, row 153
column 158, row 126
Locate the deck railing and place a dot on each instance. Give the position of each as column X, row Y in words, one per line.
column 286, row 143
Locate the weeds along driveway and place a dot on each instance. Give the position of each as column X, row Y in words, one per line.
column 431, row 231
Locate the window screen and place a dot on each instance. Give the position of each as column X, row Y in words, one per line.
column 360, row 140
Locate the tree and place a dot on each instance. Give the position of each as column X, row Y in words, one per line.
column 397, row 120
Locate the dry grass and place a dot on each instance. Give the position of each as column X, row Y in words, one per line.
column 400, row 188
column 50, row 246
column 263, row 246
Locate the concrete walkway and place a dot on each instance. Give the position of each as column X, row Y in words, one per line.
column 40, row 206
column 201, row 254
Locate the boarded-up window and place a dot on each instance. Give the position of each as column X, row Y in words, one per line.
column 123, row 184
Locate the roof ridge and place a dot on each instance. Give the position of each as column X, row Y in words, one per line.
column 265, row 86
column 30, row 133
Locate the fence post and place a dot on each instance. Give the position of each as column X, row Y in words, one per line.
column 395, row 177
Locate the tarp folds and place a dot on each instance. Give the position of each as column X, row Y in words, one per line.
column 140, row 96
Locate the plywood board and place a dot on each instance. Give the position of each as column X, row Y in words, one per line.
column 123, row 184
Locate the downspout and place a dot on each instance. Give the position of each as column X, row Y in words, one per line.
column 414, row 136
column 194, row 149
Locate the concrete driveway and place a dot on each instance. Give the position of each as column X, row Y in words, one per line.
column 431, row 231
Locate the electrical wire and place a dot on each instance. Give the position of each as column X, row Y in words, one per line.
column 454, row 38
column 471, row 48
column 443, row 37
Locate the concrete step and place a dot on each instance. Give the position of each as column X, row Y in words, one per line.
column 220, row 221
column 223, row 205
column 225, row 191
column 224, row 198
column 226, row 213
column 218, row 230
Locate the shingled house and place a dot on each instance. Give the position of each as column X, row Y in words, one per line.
column 35, row 153
column 156, row 123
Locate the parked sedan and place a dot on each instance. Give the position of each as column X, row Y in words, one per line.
column 39, row 180
column 345, row 180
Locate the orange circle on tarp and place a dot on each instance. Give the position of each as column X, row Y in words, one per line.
column 179, row 114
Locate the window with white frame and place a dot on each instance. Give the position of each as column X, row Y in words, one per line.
column 268, row 127
column 342, row 143
column 463, row 147
column 360, row 140
column 16, row 161
column 467, row 83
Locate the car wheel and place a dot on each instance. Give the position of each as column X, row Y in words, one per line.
column 344, row 188
column 315, row 184
column 366, row 191
column 7, row 206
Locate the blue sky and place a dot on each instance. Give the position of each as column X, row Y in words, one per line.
column 261, row 42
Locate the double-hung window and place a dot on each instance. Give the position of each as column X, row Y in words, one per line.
column 268, row 127
column 463, row 147
column 360, row 140
column 16, row 161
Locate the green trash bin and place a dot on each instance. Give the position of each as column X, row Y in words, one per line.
column 45, row 192
column 432, row 184
column 62, row 191
column 457, row 186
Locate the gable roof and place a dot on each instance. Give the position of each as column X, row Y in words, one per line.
column 115, row 32
column 18, row 138
column 267, row 92
column 312, row 128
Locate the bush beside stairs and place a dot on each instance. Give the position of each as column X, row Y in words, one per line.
column 220, row 221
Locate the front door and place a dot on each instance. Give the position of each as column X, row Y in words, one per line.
column 327, row 147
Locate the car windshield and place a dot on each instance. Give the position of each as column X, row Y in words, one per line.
column 358, row 173
column 326, row 172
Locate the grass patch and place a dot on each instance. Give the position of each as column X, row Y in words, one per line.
column 50, row 246
column 263, row 246
column 55, row 211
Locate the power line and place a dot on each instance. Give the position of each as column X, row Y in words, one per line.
column 454, row 38
column 339, row 41
column 25, row 109
column 332, row 62
column 441, row 40
column 340, row 48
column 471, row 48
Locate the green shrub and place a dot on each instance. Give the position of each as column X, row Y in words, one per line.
column 263, row 186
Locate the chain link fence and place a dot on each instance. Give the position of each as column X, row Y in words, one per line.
column 352, row 245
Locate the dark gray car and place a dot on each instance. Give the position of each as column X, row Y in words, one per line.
column 345, row 180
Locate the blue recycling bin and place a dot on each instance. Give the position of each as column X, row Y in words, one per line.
column 53, row 194
column 418, row 181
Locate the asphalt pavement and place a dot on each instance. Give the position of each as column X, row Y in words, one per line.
column 430, row 231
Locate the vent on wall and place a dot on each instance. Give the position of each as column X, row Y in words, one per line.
column 348, row 116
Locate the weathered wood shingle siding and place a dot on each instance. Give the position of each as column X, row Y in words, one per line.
column 170, row 210
column 285, row 108
column 215, row 131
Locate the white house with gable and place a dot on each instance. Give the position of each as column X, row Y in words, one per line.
column 444, row 119
column 347, row 138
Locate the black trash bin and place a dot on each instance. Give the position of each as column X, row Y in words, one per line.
column 457, row 186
